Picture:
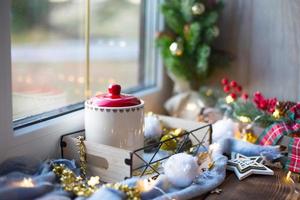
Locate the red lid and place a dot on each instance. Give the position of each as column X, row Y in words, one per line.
column 114, row 98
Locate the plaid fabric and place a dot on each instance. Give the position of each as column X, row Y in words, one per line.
column 275, row 132
column 293, row 163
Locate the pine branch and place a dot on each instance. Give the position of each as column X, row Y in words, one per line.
column 192, row 36
column 186, row 7
column 249, row 110
column 173, row 19
column 193, row 31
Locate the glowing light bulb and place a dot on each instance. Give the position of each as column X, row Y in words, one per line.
column 146, row 185
column 229, row 99
column 191, row 106
column 80, row 79
column 26, row 183
column 244, row 119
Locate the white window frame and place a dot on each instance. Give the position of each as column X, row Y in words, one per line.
column 41, row 140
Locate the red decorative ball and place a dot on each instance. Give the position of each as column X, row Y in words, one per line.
column 233, row 95
column 224, row 81
column 245, row 96
column 233, row 83
column 226, row 88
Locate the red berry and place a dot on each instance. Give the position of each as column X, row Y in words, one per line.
column 239, row 88
column 257, row 94
column 224, row 81
column 233, row 95
column 271, row 110
column 273, row 102
column 226, row 88
column 233, row 83
column 263, row 105
column 255, row 100
column 245, row 96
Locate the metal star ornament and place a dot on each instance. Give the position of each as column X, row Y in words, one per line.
column 244, row 166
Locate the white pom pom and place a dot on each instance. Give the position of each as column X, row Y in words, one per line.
column 153, row 128
column 224, row 128
column 181, row 169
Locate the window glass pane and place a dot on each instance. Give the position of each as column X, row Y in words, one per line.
column 48, row 51
column 115, row 29
column 47, row 55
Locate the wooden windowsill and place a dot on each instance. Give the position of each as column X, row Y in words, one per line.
column 256, row 187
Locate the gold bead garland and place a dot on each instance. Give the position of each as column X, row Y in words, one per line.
column 80, row 186
column 86, row 187
column 294, row 177
column 132, row 193
column 82, row 155
column 148, row 171
column 75, row 184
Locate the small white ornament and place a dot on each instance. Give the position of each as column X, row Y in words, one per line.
column 181, row 169
column 153, row 127
column 215, row 31
column 224, row 128
column 176, row 48
column 198, row 9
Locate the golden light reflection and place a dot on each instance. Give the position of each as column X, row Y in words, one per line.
column 178, row 131
column 150, row 114
column 244, row 119
column 288, row 176
column 146, row 185
column 71, row 78
column 80, row 79
column 209, row 92
column 93, row 181
column 229, row 99
column 276, row 114
column 26, row 183
column 28, row 80
column 191, row 106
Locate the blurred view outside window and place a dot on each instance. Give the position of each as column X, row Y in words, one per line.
column 48, row 51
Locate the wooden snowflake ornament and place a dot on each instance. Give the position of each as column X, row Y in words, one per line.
column 244, row 166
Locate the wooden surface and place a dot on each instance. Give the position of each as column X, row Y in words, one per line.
column 256, row 187
column 105, row 161
column 264, row 38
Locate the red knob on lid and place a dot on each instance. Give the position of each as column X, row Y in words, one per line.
column 114, row 98
column 114, row 90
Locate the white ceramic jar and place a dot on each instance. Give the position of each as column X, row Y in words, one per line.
column 115, row 119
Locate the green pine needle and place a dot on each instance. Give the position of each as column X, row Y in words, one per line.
column 195, row 33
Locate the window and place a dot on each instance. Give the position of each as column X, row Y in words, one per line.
column 48, row 52
column 41, row 139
